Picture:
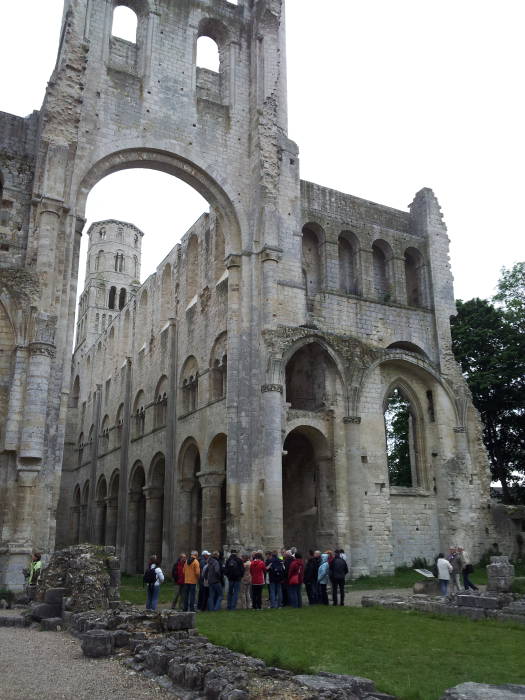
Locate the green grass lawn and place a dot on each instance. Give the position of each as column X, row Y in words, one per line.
column 407, row 654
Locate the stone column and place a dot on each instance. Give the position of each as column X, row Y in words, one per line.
column 331, row 264
column 83, row 529
column 100, row 521
column 233, row 398
column 272, row 516
column 211, row 484
column 185, row 526
column 399, row 286
column 367, row 272
column 325, row 506
column 35, row 410
column 270, row 260
column 111, row 521
column 356, row 495
column 122, row 513
column 75, row 524
column 48, row 229
column 16, row 399
column 131, row 532
column 153, row 522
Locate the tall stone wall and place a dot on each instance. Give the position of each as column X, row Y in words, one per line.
column 186, row 405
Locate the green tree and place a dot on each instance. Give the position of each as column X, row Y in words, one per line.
column 397, row 422
column 489, row 342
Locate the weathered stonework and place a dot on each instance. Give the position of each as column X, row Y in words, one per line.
column 235, row 398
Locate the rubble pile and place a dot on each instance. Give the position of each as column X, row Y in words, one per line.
column 88, row 574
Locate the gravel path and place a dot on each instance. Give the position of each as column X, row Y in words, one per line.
column 50, row 666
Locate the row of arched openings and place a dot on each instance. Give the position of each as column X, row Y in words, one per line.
column 350, row 274
column 125, row 26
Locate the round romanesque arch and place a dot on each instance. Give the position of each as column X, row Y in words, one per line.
column 101, row 510
column 175, row 165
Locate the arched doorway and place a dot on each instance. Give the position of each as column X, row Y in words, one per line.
column 136, row 519
column 213, row 484
column 308, row 490
column 75, row 516
column 155, row 508
column 190, row 494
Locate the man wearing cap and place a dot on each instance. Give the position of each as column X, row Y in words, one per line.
column 204, row 589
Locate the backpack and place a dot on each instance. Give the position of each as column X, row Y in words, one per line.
column 233, row 568
column 278, row 571
column 150, row 575
column 339, row 568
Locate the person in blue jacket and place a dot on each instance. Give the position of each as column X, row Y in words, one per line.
column 323, row 578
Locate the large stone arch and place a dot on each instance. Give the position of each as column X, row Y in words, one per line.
column 173, row 164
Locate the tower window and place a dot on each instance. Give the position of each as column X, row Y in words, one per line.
column 112, row 295
column 125, row 24
column 122, row 299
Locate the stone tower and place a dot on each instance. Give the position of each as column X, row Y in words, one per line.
column 112, row 275
column 239, row 398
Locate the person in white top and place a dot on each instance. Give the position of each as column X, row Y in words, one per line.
column 153, row 577
column 444, row 568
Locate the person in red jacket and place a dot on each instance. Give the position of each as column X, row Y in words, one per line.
column 295, row 580
column 257, row 571
column 177, row 574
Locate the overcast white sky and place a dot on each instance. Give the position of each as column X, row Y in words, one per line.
column 385, row 97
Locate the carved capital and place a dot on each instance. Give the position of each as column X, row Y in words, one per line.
column 460, row 429
column 352, row 420
column 267, row 388
column 232, row 261
column 211, row 480
column 45, row 349
column 270, row 253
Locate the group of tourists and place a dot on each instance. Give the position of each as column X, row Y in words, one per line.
column 201, row 581
column 454, row 570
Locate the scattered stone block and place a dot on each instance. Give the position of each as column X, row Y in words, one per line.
column 176, row 671
column 52, row 624
column 430, row 587
column 54, row 596
column 480, row 691
column 500, row 575
column 122, row 638
column 332, row 683
column 98, row 643
column 40, row 611
column 175, row 621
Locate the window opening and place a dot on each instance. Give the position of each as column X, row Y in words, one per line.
column 208, row 54
column 125, row 23
column 112, row 295
column 122, row 299
column 400, row 440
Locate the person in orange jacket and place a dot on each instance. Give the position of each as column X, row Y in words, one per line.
column 191, row 572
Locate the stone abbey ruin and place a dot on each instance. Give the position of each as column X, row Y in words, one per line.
column 237, row 397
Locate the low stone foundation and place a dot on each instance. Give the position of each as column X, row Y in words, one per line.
column 505, row 607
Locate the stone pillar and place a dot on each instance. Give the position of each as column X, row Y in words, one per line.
column 367, row 272
column 185, row 525
column 111, row 521
column 330, row 258
column 399, row 286
column 211, row 484
column 131, row 532
column 356, row 494
column 272, row 516
column 35, row 410
column 123, row 517
column 341, row 485
column 153, row 522
column 48, row 228
column 100, row 521
column 235, row 445
column 83, row 528
column 325, row 506
column 270, row 260
column 16, row 399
